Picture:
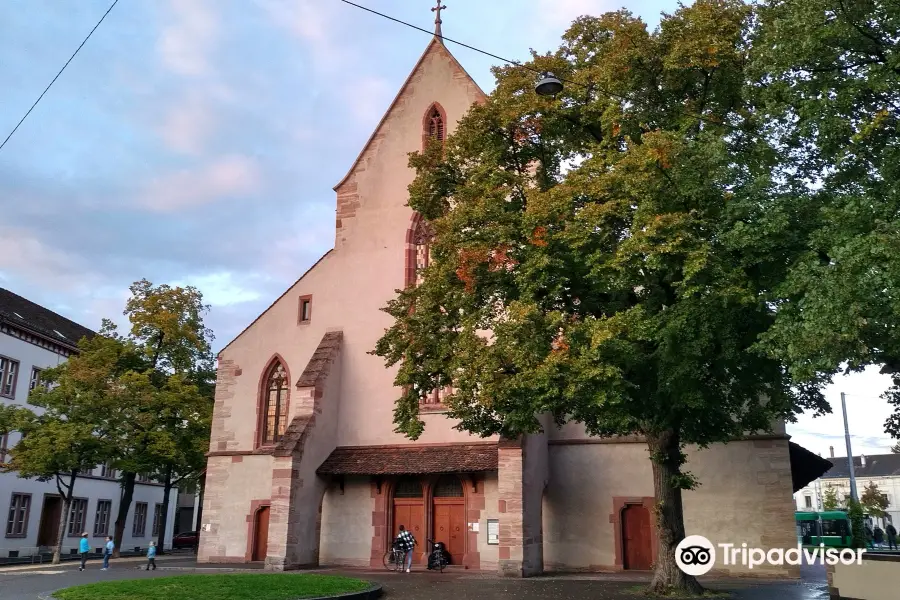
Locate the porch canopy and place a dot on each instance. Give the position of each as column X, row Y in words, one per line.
column 806, row 466
column 410, row 460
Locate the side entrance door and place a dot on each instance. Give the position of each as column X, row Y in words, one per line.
column 410, row 512
column 261, row 530
column 48, row 530
column 637, row 552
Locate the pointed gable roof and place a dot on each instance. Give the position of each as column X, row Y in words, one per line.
column 436, row 45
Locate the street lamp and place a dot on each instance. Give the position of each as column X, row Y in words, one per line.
column 549, row 85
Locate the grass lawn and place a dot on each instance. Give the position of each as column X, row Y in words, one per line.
column 269, row 586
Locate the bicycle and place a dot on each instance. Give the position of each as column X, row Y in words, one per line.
column 439, row 555
column 393, row 559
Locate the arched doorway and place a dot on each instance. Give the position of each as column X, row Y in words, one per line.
column 637, row 552
column 409, row 511
column 449, row 521
column 261, row 533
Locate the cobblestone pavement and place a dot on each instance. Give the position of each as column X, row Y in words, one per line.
column 459, row 585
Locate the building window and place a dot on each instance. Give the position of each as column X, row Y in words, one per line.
column 808, row 501
column 9, row 368
column 143, row 479
column 101, row 518
column 4, row 447
column 157, row 518
column 139, row 528
column 305, row 310
column 35, row 378
column 275, row 404
column 76, row 517
column 408, row 488
column 448, row 486
column 418, row 250
column 17, row 522
column 435, row 123
column 108, row 471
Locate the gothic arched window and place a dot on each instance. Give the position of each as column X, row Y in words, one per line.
column 275, row 395
column 434, row 124
column 418, row 250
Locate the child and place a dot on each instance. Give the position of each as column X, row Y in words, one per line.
column 107, row 553
column 84, row 547
column 151, row 556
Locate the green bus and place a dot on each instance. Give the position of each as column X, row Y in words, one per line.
column 831, row 528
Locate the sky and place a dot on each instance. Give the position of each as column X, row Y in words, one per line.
column 196, row 142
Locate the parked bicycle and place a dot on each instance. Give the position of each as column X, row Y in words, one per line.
column 393, row 558
column 438, row 558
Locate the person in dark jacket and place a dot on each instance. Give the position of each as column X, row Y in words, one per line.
column 407, row 542
column 891, row 536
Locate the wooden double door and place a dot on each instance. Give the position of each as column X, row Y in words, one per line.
column 443, row 521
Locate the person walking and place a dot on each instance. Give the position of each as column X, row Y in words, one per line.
column 878, row 536
column 891, row 536
column 869, row 536
column 407, row 543
column 151, row 556
column 84, row 547
column 107, row 553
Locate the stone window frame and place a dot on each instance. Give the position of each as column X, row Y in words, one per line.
column 620, row 503
column 74, row 527
column 99, row 517
column 142, row 530
column 259, row 441
column 427, row 120
column 305, row 300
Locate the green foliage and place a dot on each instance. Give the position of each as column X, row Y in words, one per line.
column 592, row 258
column 895, row 448
column 828, row 91
column 830, row 499
column 857, row 523
column 874, row 501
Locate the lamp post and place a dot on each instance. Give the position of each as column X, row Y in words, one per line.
column 853, row 495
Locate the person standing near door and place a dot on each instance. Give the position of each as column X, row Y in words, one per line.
column 891, row 536
column 107, row 552
column 84, row 546
column 407, row 543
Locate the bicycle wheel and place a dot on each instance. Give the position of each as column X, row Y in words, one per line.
column 390, row 560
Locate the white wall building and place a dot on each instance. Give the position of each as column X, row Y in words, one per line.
column 33, row 338
column 881, row 469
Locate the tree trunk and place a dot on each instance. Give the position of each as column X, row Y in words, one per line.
column 124, row 507
column 64, row 517
column 163, row 517
column 198, row 518
column 667, row 459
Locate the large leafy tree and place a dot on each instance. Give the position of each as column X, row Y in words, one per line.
column 73, row 430
column 167, row 424
column 874, row 500
column 826, row 79
column 590, row 261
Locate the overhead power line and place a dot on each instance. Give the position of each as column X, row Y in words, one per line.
column 80, row 46
column 519, row 64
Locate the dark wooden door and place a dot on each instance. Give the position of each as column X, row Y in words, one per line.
column 261, row 534
column 410, row 513
column 637, row 552
column 450, row 526
column 48, row 530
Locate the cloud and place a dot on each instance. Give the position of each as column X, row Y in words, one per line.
column 47, row 266
column 228, row 176
column 188, row 124
column 314, row 23
column 186, row 43
column 371, row 96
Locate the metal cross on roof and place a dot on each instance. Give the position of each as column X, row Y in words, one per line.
column 437, row 17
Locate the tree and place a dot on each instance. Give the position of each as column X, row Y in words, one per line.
column 593, row 236
column 71, row 434
column 895, row 448
column 830, row 500
column 168, row 422
column 874, row 501
column 857, row 523
column 828, row 85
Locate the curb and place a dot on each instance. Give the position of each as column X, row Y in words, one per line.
column 371, row 593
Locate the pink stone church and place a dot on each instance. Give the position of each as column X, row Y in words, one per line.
column 305, row 469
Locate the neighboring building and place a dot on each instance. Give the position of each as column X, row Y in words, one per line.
column 304, row 464
column 33, row 338
column 881, row 469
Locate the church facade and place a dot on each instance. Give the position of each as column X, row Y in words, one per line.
column 304, row 465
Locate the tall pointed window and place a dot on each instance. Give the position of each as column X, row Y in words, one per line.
column 436, row 124
column 275, row 404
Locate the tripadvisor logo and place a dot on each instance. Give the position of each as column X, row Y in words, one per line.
column 696, row 555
